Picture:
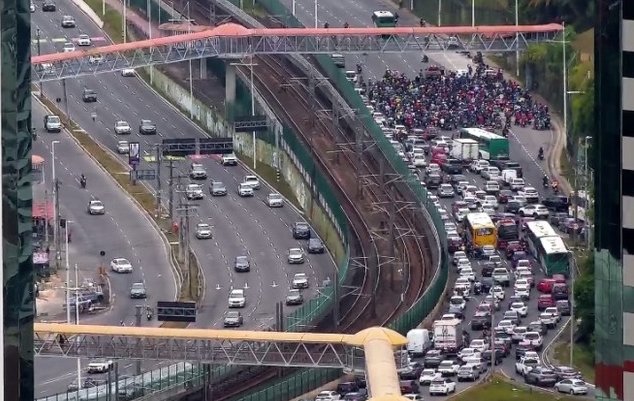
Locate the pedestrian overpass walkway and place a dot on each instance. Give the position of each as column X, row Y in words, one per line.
column 376, row 350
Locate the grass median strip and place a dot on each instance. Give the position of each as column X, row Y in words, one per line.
column 497, row 388
column 189, row 290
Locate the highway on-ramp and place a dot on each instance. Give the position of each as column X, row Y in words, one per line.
column 124, row 231
column 242, row 226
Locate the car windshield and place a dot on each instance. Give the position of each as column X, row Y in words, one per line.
column 242, row 260
column 218, row 184
column 233, row 315
column 300, row 276
column 275, row 196
column 294, row 293
column 203, row 226
column 138, row 286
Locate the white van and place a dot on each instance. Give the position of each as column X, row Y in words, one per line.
column 508, row 176
column 418, row 342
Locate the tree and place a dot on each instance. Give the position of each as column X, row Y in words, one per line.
column 584, row 300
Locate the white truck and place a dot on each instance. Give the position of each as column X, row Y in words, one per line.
column 465, row 149
column 447, row 335
column 100, row 366
column 418, row 342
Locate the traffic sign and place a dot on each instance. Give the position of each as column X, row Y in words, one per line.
column 146, row 175
column 176, row 311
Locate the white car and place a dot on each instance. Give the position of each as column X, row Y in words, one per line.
column 478, row 165
column 100, row 366
column 506, row 325
column 328, row 396
column 530, row 193
column 534, row 339
column 490, row 201
column 468, row 273
column 419, row 161
column 300, row 281
column 553, row 311
column 492, row 187
column 121, row 265
column 427, row 376
column 237, row 299
column 194, row 191
column 432, row 168
column 463, row 263
column 520, row 308
column 251, row 180
column 490, row 173
column 517, row 184
column 68, row 47
column 479, row 344
column 295, row 256
column 229, row 160
column 96, row 207
column 123, row 147
column 84, row 40
column 274, row 200
column 448, row 368
column 442, row 386
column 534, row 210
column 548, row 319
column 122, row 127
column 518, row 334
column 245, row 189
column 203, row 231
column 461, row 214
column 128, row 72
column 95, row 59
column 498, row 292
column 522, row 288
column 572, row 386
column 457, row 302
column 458, row 255
column 468, row 353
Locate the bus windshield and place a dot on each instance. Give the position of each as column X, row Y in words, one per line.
column 492, row 146
column 480, row 229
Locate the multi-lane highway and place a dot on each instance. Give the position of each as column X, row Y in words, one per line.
column 524, row 142
column 242, row 226
column 124, row 231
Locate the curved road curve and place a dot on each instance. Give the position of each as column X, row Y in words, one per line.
column 242, row 226
column 124, row 231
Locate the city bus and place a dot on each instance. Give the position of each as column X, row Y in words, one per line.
column 384, row 19
column 480, row 230
column 492, row 146
column 553, row 255
column 536, row 230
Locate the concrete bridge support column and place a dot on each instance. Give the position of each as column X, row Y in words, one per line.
column 203, row 68
column 230, row 89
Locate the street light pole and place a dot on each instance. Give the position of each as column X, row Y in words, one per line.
column 77, row 318
column 472, row 12
column 124, row 21
column 565, row 80
column 55, row 202
column 67, row 274
column 517, row 48
column 252, row 87
column 316, row 19
column 439, row 11
column 191, row 80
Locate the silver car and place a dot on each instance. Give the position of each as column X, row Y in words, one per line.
column 203, row 231
column 96, row 207
column 122, row 128
column 123, row 147
column 295, row 256
column 274, row 200
column 300, row 280
column 217, row 188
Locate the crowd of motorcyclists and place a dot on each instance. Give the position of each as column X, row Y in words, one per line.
column 478, row 97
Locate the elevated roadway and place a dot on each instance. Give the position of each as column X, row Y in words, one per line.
column 242, row 226
column 124, row 231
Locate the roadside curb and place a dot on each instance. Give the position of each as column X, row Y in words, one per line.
column 175, row 271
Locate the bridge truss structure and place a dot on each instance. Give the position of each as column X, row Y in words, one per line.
column 232, row 41
column 376, row 350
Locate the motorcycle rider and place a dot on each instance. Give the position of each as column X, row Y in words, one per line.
column 326, row 25
column 82, row 181
column 540, row 154
column 545, row 180
column 359, row 68
column 346, row 25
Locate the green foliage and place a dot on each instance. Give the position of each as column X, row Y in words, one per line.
column 584, row 300
column 579, row 13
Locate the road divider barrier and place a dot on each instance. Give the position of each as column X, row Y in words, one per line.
column 85, row 8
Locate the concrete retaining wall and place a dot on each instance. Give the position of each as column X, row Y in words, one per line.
column 89, row 12
column 212, row 121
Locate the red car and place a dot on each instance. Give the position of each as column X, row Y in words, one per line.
column 545, row 285
column 512, row 247
column 545, row 301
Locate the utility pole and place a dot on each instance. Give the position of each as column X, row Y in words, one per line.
column 184, row 241
column 171, row 188
column 358, row 137
column 58, row 254
column 158, row 179
column 572, row 265
column 139, row 313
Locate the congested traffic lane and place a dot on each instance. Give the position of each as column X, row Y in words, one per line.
column 124, row 231
column 252, row 226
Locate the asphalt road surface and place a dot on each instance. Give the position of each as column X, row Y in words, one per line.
column 241, row 226
column 124, row 231
column 524, row 142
